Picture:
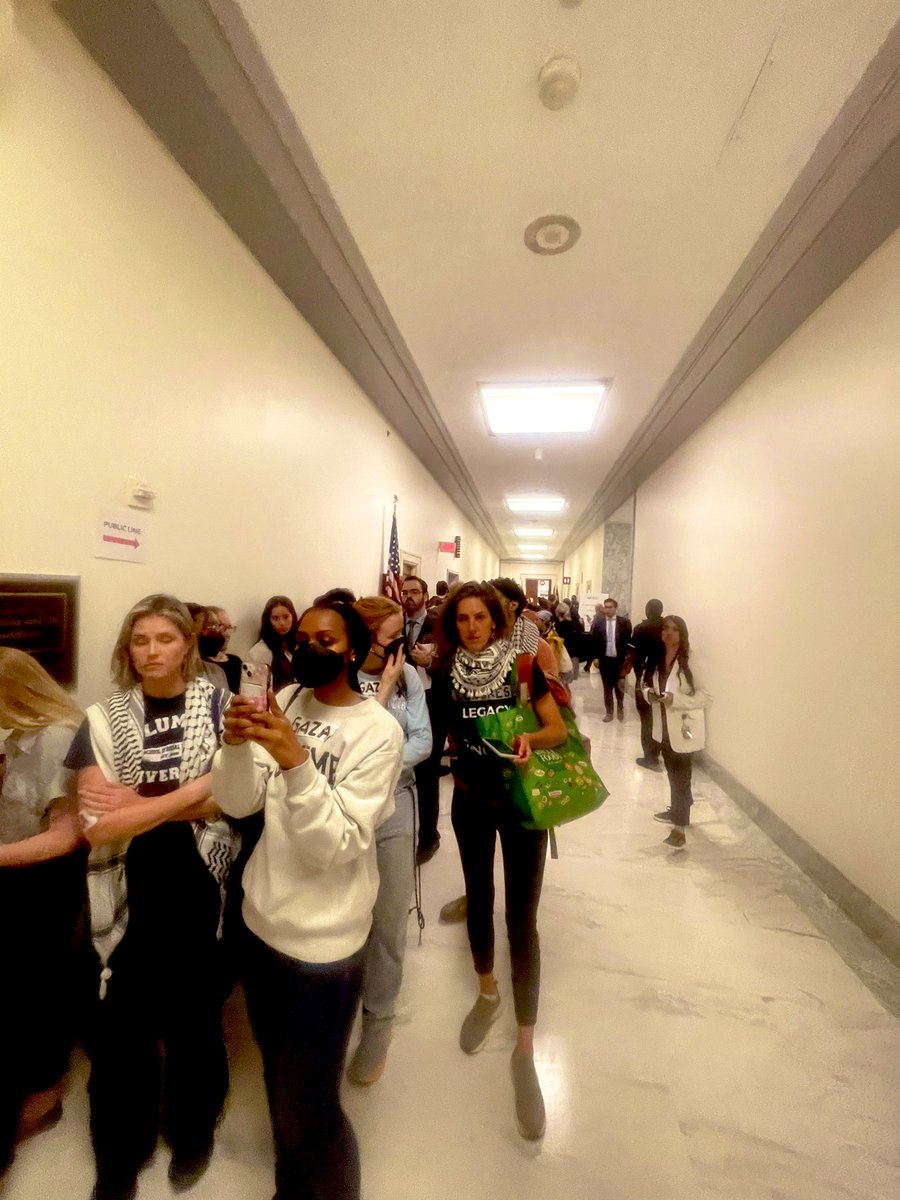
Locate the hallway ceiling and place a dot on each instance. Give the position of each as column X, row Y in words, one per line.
column 692, row 122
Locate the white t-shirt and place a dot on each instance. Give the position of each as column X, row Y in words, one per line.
column 311, row 882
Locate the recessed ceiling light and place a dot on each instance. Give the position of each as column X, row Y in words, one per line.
column 533, row 557
column 530, row 533
column 553, row 234
column 542, row 549
column 542, row 407
column 535, row 504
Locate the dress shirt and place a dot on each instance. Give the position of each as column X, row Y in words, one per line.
column 610, row 637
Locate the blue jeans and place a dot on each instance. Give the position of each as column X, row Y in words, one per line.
column 301, row 1014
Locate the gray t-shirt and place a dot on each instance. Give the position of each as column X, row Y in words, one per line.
column 34, row 778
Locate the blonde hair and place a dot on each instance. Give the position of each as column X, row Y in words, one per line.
column 375, row 610
column 158, row 605
column 29, row 697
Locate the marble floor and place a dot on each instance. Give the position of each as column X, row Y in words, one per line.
column 699, row 1037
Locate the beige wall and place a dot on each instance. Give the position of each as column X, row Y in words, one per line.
column 585, row 565
column 774, row 531
column 139, row 337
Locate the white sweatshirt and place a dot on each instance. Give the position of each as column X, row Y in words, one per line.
column 311, row 882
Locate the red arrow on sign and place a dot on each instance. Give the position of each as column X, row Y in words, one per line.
column 132, row 542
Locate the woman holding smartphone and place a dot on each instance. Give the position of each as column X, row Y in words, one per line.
column 482, row 678
column 277, row 639
column 679, row 726
column 42, row 893
column 323, row 763
column 397, row 687
column 158, row 866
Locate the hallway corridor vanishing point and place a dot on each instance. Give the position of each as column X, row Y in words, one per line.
column 699, row 1036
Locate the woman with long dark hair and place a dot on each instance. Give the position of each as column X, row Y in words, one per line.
column 323, row 762
column 156, row 880
column 679, row 726
column 482, row 677
column 277, row 640
column 42, row 891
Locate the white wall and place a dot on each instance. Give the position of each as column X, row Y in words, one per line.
column 585, row 565
column 775, row 531
column 140, row 337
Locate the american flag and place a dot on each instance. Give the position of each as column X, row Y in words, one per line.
column 391, row 584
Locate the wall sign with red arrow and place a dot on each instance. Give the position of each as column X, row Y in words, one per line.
column 121, row 534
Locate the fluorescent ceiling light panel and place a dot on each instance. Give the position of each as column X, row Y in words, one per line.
column 533, row 557
column 529, row 549
column 530, row 533
column 535, row 504
column 541, row 408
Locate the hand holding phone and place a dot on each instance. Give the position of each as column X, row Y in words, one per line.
column 255, row 684
column 501, row 749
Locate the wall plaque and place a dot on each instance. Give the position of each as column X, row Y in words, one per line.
column 39, row 614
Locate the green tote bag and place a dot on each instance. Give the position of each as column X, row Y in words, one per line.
column 554, row 786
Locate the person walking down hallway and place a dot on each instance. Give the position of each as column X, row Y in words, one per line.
column 648, row 648
column 679, row 722
column 419, row 635
column 482, row 676
column 324, row 762
column 611, row 637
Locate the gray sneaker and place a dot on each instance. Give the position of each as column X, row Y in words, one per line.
column 530, row 1114
column 475, row 1027
column 369, row 1058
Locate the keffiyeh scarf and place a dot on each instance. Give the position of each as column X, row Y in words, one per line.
column 476, row 676
column 117, row 738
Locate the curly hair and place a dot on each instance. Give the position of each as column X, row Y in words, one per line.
column 490, row 598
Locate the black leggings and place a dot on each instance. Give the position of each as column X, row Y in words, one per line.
column 477, row 819
column 302, row 1014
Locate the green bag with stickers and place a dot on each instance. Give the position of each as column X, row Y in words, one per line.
column 554, row 786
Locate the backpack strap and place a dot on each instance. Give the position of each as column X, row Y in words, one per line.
column 525, row 677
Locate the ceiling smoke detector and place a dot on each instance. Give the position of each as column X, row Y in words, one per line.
column 558, row 81
column 553, row 234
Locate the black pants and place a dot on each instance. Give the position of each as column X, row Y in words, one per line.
column 678, row 769
column 41, row 908
column 610, row 673
column 156, row 1046
column 302, row 1014
column 428, row 776
column 649, row 748
column 478, row 817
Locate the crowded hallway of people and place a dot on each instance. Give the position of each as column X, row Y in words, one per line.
column 449, row 463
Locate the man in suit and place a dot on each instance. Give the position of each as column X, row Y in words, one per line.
column 612, row 638
column 418, row 630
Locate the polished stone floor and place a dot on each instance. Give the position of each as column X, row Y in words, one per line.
column 700, row 1036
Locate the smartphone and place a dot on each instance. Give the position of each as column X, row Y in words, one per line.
column 501, row 749
column 255, row 684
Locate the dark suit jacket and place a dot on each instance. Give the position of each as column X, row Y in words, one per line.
column 426, row 633
column 623, row 638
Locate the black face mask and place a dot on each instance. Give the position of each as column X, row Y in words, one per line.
column 210, row 644
column 391, row 649
column 314, row 667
